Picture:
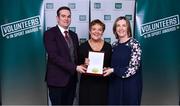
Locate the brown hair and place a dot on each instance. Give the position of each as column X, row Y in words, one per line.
column 63, row 8
column 128, row 26
column 97, row 21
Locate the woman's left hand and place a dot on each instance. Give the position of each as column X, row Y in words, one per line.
column 107, row 71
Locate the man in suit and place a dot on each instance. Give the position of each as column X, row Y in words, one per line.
column 61, row 45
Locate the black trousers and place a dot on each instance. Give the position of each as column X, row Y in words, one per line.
column 63, row 95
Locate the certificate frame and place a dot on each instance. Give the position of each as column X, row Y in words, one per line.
column 96, row 62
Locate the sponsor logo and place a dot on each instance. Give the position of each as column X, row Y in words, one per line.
column 72, row 5
column 21, row 27
column 107, row 17
column 49, row 5
column 107, row 40
column 97, row 5
column 82, row 17
column 160, row 26
column 72, row 29
column 118, row 5
column 129, row 17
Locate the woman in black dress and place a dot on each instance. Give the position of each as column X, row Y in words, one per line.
column 93, row 90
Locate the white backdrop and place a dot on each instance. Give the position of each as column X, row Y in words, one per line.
column 108, row 10
column 83, row 11
column 80, row 15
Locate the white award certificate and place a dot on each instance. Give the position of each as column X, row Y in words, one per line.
column 96, row 60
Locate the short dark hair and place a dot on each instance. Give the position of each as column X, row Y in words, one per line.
column 97, row 21
column 128, row 26
column 63, row 8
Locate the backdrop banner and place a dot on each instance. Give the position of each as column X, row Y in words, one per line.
column 158, row 30
column 22, row 54
column 23, row 58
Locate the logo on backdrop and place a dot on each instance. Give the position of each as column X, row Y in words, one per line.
column 21, row 27
column 160, row 26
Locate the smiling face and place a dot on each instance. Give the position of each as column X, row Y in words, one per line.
column 122, row 29
column 96, row 32
column 64, row 18
column 96, row 29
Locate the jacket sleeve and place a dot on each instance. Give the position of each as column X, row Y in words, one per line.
column 54, row 55
column 134, row 62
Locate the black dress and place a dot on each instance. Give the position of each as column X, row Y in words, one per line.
column 93, row 90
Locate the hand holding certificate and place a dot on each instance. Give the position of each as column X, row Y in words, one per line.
column 96, row 60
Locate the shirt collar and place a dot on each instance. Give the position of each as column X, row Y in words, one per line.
column 62, row 29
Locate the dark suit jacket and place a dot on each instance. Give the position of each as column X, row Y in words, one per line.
column 59, row 65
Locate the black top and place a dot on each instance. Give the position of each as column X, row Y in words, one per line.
column 85, row 48
column 94, row 89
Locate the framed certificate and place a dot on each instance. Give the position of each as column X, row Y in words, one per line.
column 95, row 66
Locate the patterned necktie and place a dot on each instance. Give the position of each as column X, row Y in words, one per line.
column 70, row 45
column 66, row 36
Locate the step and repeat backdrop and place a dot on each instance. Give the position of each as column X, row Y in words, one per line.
column 23, row 59
column 84, row 11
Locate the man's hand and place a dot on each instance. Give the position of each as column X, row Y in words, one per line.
column 81, row 69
